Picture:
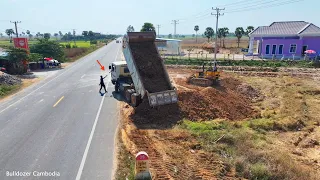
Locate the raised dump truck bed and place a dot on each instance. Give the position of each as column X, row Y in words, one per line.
column 148, row 73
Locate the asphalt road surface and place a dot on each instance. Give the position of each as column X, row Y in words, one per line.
column 62, row 128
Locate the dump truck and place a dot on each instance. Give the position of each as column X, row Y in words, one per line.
column 143, row 74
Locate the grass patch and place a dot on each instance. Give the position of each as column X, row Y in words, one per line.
column 125, row 167
column 7, row 90
column 254, row 63
column 244, row 147
column 80, row 44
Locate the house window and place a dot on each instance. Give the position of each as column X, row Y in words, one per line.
column 293, row 48
column 274, row 49
column 280, row 49
column 267, row 49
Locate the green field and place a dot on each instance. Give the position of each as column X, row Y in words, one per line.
column 79, row 43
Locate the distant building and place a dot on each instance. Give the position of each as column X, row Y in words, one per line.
column 285, row 39
column 168, row 46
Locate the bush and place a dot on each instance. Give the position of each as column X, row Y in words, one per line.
column 74, row 46
column 93, row 42
column 260, row 171
column 68, row 46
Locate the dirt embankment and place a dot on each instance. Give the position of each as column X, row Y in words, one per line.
column 229, row 99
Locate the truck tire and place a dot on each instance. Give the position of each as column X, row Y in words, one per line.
column 128, row 95
column 116, row 87
column 135, row 99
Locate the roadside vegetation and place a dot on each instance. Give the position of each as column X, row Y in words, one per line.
column 255, row 63
column 6, row 90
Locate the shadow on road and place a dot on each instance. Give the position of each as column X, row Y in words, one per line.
column 118, row 96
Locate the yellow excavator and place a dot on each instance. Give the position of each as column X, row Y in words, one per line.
column 206, row 77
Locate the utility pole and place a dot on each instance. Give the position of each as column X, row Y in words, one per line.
column 74, row 36
column 175, row 22
column 15, row 24
column 217, row 14
column 158, row 30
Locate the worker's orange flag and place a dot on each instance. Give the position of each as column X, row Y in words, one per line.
column 102, row 67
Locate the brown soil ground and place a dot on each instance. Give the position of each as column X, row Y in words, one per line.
column 176, row 154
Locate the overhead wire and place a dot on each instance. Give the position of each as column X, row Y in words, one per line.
column 264, row 6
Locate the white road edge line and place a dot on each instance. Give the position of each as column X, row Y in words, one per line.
column 91, row 134
column 89, row 142
column 46, row 83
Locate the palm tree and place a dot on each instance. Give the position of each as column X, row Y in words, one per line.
column 220, row 34
column 9, row 32
column 56, row 35
column 1, row 35
column 225, row 34
column 249, row 30
column 196, row 28
column 239, row 33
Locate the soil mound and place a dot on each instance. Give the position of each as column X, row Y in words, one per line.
column 6, row 79
column 229, row 100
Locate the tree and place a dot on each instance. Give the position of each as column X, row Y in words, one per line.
column 46, row 36
column 23, row 33
column 91, row 35
column 38, row 34
column 85, row 34
column 10, row 32
column 220, row 34
column 196, row 28
column 16, row 57
column 130, row 28
column 60, row 34
column 239, row 33
column 147, row 27
column 225, row 34
column 209, row 33
column 28, row 32
column 56, row 35
column 193, row 35
column 249, row 30
column 1, row 34
column 48, row 49
column 170, row 36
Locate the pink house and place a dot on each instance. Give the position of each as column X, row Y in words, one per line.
column 288, row 39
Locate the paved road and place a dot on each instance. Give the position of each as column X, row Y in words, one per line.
column 62, row 125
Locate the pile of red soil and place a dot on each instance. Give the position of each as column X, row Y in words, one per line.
column 150, row 66
column 224, row 101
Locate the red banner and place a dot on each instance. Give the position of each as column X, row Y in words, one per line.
column 21, row 43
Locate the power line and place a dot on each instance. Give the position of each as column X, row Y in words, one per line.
column 255, row 5
column 15, row 24
column 175, row 22
column 217, row 14
column 265, row 6
column 158, row 29
column 236, row 3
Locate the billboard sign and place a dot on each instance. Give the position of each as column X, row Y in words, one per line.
column 21, row 43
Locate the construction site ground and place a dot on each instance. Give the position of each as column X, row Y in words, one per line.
column 250, row 125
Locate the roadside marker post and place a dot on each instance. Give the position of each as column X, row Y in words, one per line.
column 142, row 171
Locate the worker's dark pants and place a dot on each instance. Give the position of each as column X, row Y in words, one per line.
column 104, row 86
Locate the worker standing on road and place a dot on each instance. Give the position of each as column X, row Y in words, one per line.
column 102, row 84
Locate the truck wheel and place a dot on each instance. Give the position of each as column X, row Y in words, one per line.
column 116, row 87
column 135, row 99
column 128, row 95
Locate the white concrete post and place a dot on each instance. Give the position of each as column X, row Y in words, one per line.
column 250, row 50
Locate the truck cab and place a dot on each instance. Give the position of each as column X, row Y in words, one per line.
column 119, row 72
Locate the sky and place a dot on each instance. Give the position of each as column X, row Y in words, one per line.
column 113, row 17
